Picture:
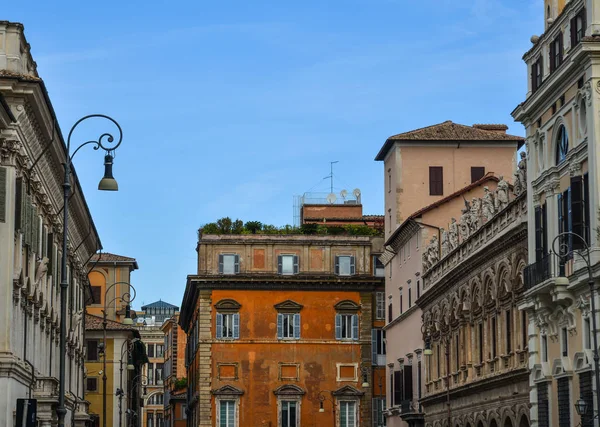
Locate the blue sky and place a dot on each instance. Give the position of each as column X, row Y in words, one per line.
column 231, row 108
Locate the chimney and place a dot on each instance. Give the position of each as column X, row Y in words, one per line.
column 492, row 127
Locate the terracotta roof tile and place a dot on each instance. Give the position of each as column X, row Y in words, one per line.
column 94, row 323
column 108, row 257
column 450, row 131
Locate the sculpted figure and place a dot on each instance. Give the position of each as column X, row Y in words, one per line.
column 465, row 230
column 521, row 175
column 445, row 242
column 433, row 251
column 453, row 234
column 501, row 199
column 488, row 204
column 475, row 218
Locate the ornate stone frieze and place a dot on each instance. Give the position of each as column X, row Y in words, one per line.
column 9, row 149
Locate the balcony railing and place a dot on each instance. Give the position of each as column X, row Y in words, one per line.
column 548, row 266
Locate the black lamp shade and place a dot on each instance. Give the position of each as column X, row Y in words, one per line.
column 108, row 183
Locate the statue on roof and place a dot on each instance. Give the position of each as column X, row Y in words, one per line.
column 453, row 234
column 501, row 199
column 521, row 176
column 488, row 204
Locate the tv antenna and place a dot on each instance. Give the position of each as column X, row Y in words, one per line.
column 330, row 176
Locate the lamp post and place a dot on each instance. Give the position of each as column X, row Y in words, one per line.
column 323, row 398
column 565, row 248
column 107, row 183
column 143, row 383
column 127, row 298
column 130, row 367
column 426, row 331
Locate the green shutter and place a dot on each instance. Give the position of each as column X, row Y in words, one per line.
column 19, row 204
column 27, row 220
column 36, row 231
column 50, row 252
column 2, row 194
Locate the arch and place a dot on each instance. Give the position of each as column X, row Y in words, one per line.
column 347, row 305
column 228, row 304
column 480, row 424
column 508, row 422
column 524, row 421
column 493, row 423
column 561, row 142
column 150, row 399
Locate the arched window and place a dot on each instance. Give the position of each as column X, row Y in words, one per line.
column 562, row 144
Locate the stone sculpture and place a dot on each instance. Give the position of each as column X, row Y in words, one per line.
column 521, row 176
column 475, row 215
column 445, row 242
column 453, row 234
column 501, row 199
column 488, row 204
column 464, row 228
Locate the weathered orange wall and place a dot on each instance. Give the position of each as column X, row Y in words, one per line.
column 258, row 353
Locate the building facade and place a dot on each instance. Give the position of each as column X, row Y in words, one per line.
column 280, row 331
column 561, row 115
column 149, row 323
column 407, row 252
column 32, row 151
column 475, row 352
column 425, row 165
column 175, row 373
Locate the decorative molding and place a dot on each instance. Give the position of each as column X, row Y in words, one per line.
column 288, row 390
column 348, row 391
column 227, row 390
column 288, row 306
column 347, row 305
column 228, row 305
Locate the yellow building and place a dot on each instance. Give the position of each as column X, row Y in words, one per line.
column 119, row 373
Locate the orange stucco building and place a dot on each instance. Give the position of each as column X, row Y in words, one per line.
column 284, row 330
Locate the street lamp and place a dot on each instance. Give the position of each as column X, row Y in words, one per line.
column 323, row 398
column 130, row 367
column 365, row 376
column 565, row 248
column 427, row 351
column 127, row 298
column 581, row 407
column 104, row 185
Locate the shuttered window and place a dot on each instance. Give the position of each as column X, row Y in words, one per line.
column 577, row 210
column 92, row 350
column 97, row 294
column 229, row 263
column 380, row 305
column 288, row 326
column 477, row 172
column 19, row 205
column 398, row 383
column 556, row 53
column 536, row 74
column 346, row 327
column 91, row 384
column 578, row 24
column 586, row 393
column 408, row 383
column 378, row 347
column 345, row 265
column 436, row 181
column 228, row 325
column 287, row 264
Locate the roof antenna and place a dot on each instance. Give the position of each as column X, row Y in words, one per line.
column 330, row 176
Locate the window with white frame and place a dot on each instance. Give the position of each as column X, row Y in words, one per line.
column 287, row 264
column 289, row 413
column 348, row 414
column 288, row 326
column 227, row 413
column 378, row 346
column 380, row 305
column 346, row 326
column 229, row 263
column 378, row 267
column 150, row 419
column 344, row 265
column 228, row 326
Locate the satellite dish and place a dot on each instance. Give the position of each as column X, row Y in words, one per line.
column 343, row 193
column 331, row 198
column 356, row 192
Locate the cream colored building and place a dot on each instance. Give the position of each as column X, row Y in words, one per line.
column 425, row 165
column 561, row 114
column 32, row 151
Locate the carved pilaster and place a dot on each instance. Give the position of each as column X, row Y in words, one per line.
column 9, row 150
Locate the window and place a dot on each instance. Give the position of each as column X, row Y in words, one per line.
column 91, row 384
column 159, row 373
column 289, row 413
column 544, row 348
column 380, row 305
column 556, row 53
column 418, row 289
column 378, row 408
column 346, row 327
column 160, row 350
column 227, row 413
column 480, row 341
column 229, row 263
column 493, row 333
column 150, row 350
column 344, row 265
column 288, row 326
column 160, row 422
column 390, row 316
column 150, row 419
column 562, row 144
column 97, row 294
column 477, row 172
column 183, row 415
column 587, row 334
column 409, row 297
column 524, row 334
column 436, row 181
column 564, row 342
column 389, row 181
column 378, row 347
column 378, row 267
column 578, row 28
column 541, row 232
column 457, row 355
column 228, row 326
column 287, row 264
column 347, row 414
column 564, row 402
column 401, row 302
column 92, row 350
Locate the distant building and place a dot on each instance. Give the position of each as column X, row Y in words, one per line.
column 32, row 154
column 175, row 373
column 149, row 322
column 275, row 323
column 425, row 165
column 561, row 115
